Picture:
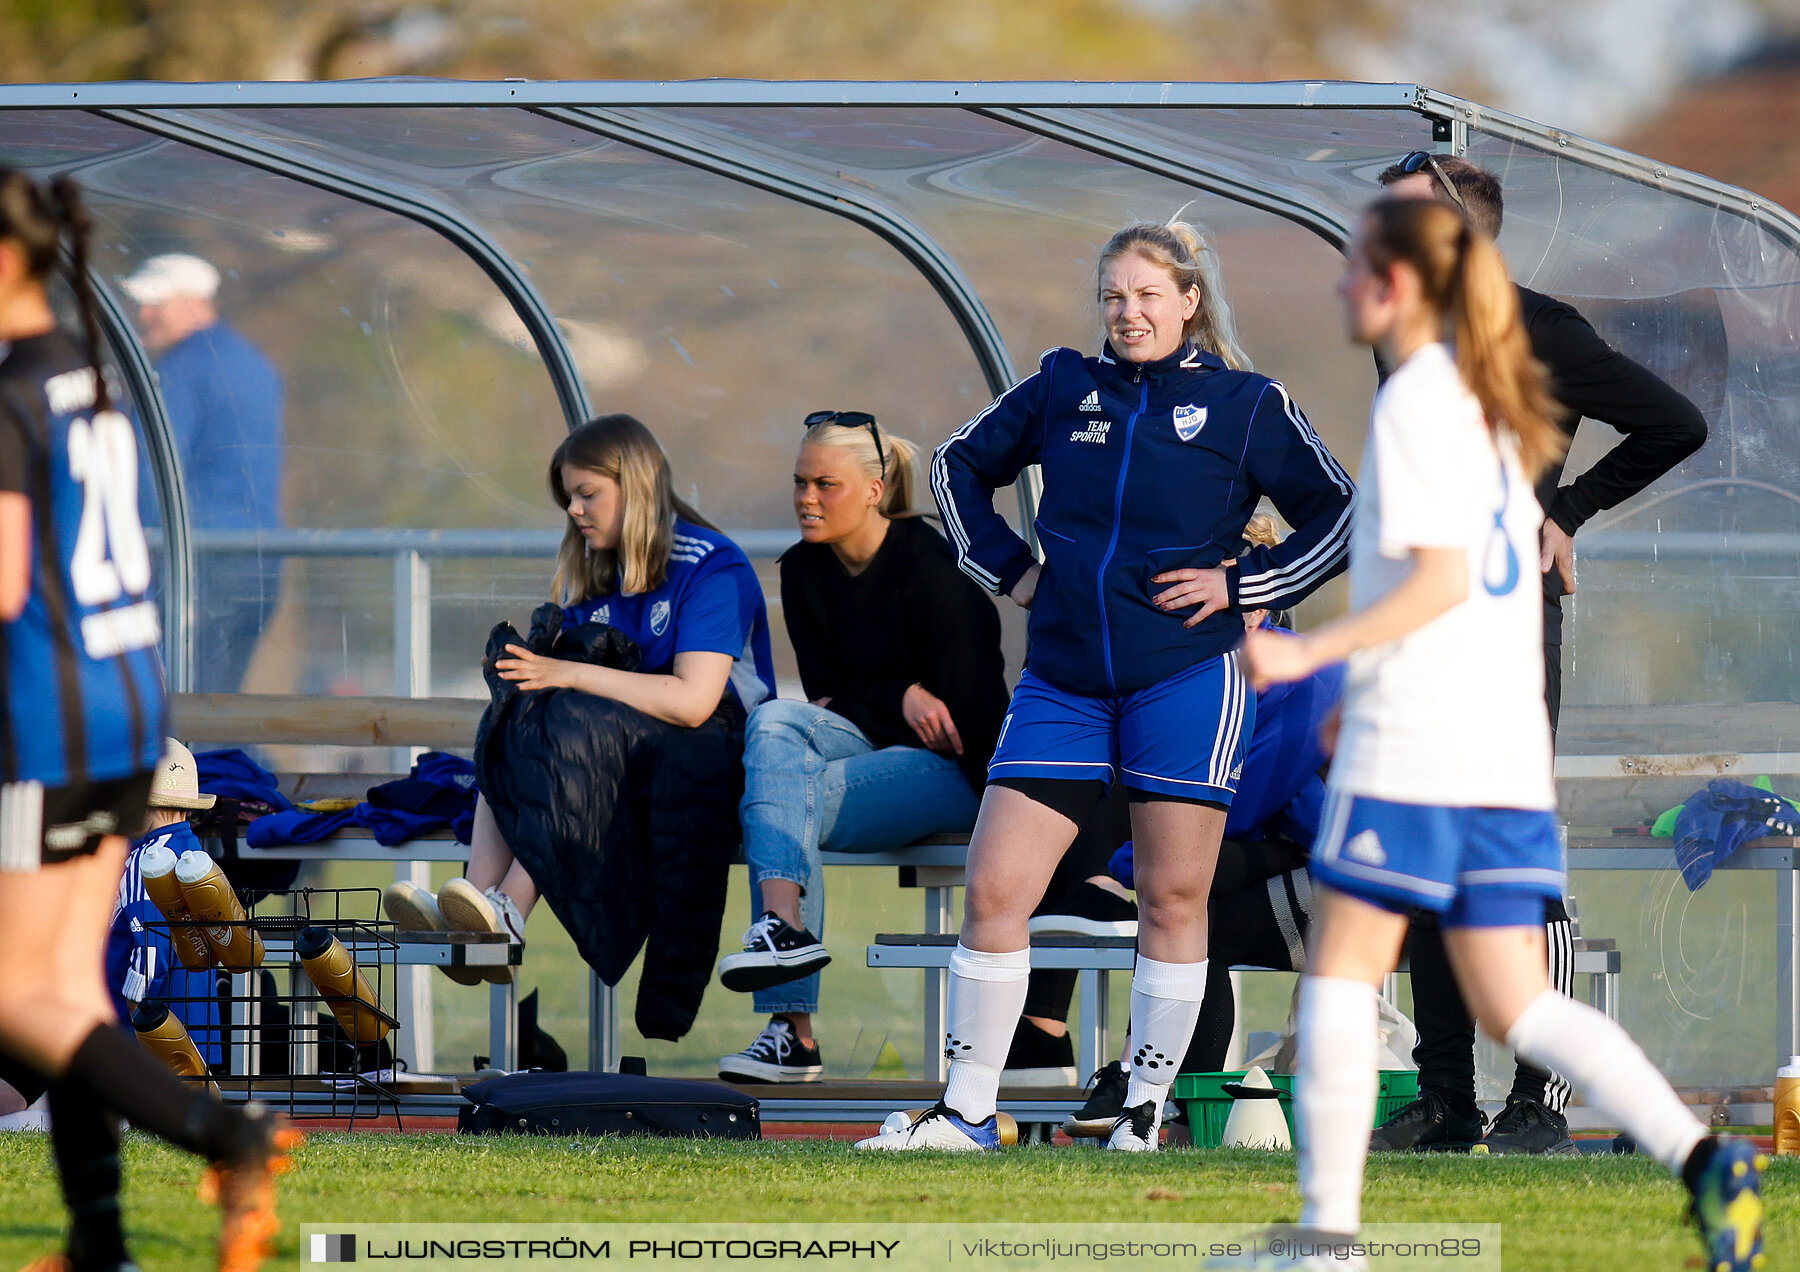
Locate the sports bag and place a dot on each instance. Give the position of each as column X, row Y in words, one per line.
column 607, row 1104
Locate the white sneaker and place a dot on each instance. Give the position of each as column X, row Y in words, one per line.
column 507, row 911
column 939, row 1127
column 466, row 910
column 412, row 908
column 1138, row 1127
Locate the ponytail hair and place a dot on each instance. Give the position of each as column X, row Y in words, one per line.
column 1464, row 280
column 1187, row 253
column 619, row 447
column 38, row 219
column 892, row 464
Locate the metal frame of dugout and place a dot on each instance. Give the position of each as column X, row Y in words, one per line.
column 1112, row 121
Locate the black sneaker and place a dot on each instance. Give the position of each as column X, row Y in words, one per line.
column 1088, row 910
column 775, row 1056
column 774, row 954
column 1039, row 1059
column 1105, row 1104
column 1525, row 1126
column 1427, row 1124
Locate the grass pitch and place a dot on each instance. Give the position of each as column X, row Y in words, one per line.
column 1566, row 1213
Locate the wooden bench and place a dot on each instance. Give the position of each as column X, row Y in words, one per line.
column 934, row 864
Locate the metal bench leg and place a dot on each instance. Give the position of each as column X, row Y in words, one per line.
column 937, row 986
column 1090, row 1052
column 412, row 990
column 1787, row 960
column 603, row 1025
column 503, row 1025
column 245, row 1056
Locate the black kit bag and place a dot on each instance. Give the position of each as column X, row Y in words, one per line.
column 607, row 1104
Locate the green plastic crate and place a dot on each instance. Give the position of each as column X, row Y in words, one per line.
column 1203, row 1096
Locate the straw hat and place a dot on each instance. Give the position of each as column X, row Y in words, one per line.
column 176, row 783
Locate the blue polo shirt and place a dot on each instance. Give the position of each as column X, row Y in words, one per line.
column 711, row 602
column 224, row 399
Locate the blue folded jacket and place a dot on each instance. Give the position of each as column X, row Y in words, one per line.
column 1717, row 821
column 234, row 775
column 439, row 793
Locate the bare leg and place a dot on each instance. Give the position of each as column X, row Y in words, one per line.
column 1177, row 847
column 1012, row 854
column 53, row 925
column 492, row 864
column 1500, row 970
column 1353, row 940
column 783, row 897
column 1504, row 980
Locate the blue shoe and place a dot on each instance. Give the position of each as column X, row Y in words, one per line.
column 940, row 1127
column 1728, row 1205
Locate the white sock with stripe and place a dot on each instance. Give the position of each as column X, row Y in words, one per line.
column 1165, row 1003
column 1334, row 1098
column 1609, row 1071
column 986, row 998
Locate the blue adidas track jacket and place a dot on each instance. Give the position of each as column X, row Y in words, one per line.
column 1147, row 467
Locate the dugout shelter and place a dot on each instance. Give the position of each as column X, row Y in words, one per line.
column 448, row 274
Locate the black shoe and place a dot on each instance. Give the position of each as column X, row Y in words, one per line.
column 774, row 954
column 1105, row 1104
column 1088, row 910
column 775, row 1055
column 1039, row 1059
column 1427, row 1124
column 1525, row 1126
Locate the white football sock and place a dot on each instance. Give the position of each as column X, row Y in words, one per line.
column 1609, row 1071
column 987, row 996
column 1165, row 1003
column 1334, row 1098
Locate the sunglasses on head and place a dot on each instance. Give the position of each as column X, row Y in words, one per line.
column 1419, row 160
column 850, row 419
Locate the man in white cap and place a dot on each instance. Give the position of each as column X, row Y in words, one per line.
column 141, row 965
column 224, row 402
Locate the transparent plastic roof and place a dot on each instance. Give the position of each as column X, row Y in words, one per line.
column 429, row 281
column 445, row 274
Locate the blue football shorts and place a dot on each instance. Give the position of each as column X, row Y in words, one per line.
column 1474, row 867
column 1184, row 736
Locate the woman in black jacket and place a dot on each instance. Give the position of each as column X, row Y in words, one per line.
column 899, row 654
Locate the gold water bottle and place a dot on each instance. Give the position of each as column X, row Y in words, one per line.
column 156, row 866
column 210, row 897
column 1787, row 1107
column 162, row 1032
column 346, row 992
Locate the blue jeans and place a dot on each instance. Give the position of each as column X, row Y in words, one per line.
column 813, row 782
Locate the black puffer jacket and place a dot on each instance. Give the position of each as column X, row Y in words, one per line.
column 626, row 824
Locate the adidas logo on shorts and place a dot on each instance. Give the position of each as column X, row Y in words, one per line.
column 1091, row 402
column 1367, row 849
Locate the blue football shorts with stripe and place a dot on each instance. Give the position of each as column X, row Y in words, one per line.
column 1184, row 736
column 1474, row 867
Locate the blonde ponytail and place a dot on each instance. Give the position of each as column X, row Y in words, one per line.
column 1494, row 356
column 1187, row 253
column 892, row 463
column 1464, row 280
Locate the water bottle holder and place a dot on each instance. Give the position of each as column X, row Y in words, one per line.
column 276, row 1036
